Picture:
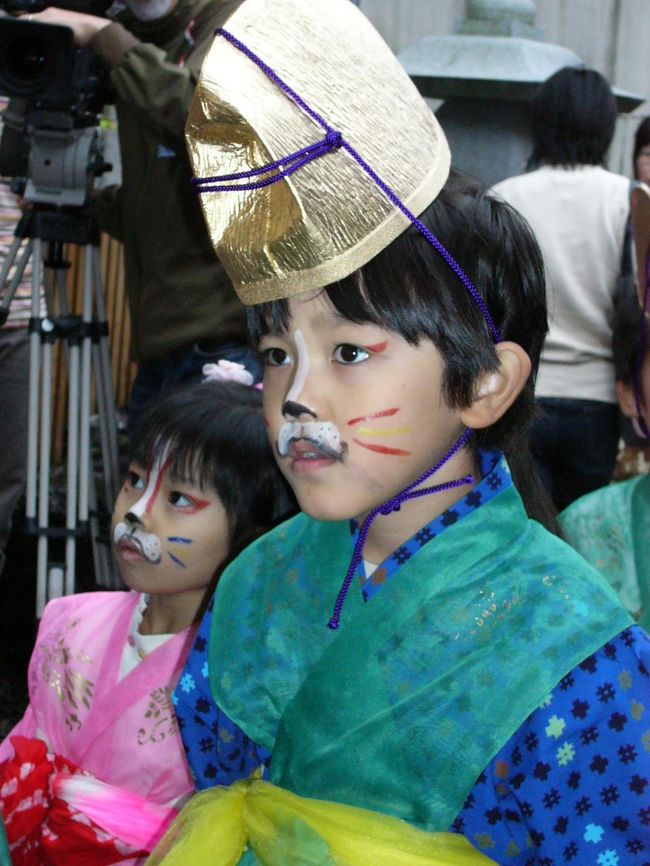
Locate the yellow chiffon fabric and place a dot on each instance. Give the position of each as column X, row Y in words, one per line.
column 217, row 825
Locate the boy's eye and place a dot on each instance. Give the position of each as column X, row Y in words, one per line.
column 180, row 499
column 347, row 353
column 275, row 357
column 134, row 480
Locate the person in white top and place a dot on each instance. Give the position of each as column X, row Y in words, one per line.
column 578, row 211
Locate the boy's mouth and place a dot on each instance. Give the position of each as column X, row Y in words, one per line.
column 309, row 449
column 312, row 440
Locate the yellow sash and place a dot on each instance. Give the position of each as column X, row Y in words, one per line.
column 283, row 829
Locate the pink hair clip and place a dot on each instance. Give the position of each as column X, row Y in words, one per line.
column 228, row 371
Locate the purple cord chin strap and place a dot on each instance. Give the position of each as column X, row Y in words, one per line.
column 394, row 504
column 273, row 172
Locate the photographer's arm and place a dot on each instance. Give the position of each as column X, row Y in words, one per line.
column 156, row 90
column 83, row 26
column 156, row 93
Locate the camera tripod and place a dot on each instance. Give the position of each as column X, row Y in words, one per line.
column 84, row 337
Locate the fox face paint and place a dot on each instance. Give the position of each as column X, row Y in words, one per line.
column 169, row 535
column 354, row 411
column 131, row 532
column 322, row 435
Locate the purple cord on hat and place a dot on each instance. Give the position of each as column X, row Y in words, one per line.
column 281, row 167
column 333, row 140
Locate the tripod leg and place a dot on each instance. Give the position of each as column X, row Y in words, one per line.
column 107, row 423
column 43, row 480
column 34, row 376
column 84, row 437
column 21, row 258
column 10, row 258
column 104, row 387
column 39, row 411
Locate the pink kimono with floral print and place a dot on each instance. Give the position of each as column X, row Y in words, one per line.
column 119, row 731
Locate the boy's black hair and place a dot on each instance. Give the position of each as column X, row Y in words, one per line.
column 219, row 440
column 626, row 336
column 641, row 139
column 573, row 115
column 410, row 289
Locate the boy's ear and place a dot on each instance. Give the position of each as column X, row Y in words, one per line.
column 626, row 399
column 496, row 391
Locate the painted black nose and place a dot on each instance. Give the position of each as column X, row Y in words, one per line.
column 295, row 410
column 130, row 517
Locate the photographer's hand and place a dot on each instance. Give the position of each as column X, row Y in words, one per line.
column 83, row 26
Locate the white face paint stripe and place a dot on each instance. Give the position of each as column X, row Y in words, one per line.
column 144, row 503
column 302, row 368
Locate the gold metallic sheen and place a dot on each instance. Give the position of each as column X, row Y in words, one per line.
column 329, row 218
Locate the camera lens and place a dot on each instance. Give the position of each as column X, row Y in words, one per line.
column 25, row 63
column 34, row 57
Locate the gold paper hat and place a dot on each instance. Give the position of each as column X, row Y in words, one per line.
column 307, row 89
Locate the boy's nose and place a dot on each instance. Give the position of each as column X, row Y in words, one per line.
column 131, row 517
column 291, row 409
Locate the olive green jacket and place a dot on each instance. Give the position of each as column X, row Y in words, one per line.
column 178, row 291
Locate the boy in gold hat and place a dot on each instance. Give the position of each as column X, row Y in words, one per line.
column 419, row 670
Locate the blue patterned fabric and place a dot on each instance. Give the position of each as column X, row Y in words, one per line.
column 496, row 477
column 218, row 752
column 573, row 784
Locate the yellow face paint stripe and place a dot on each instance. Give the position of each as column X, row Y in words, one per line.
column 371, row 431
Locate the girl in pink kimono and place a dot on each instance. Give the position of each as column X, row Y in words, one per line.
column 95, row 770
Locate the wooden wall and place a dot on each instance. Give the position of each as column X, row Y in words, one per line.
column 117, row 316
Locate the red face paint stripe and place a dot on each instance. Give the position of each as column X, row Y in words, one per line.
column 156, row 489
column 384, row 414
column 199, row 505
column 378, row 347
column 382, row 449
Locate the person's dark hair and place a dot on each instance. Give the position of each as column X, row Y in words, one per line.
column 641, row 139
column 410, row 289
column 573, row 115
column 219, row 440
column 626, row 336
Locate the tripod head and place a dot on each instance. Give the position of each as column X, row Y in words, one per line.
column 72, row 225
column 54, row 160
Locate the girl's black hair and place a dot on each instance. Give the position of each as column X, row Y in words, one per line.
column 573, row 116
column 626, row 336
column 410, row 289
column 641, row 139
column 219, row 440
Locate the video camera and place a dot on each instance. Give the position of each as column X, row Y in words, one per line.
column 51, row 139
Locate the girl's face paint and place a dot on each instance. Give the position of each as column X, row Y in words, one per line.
column 354, row 411
column 169, row 535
